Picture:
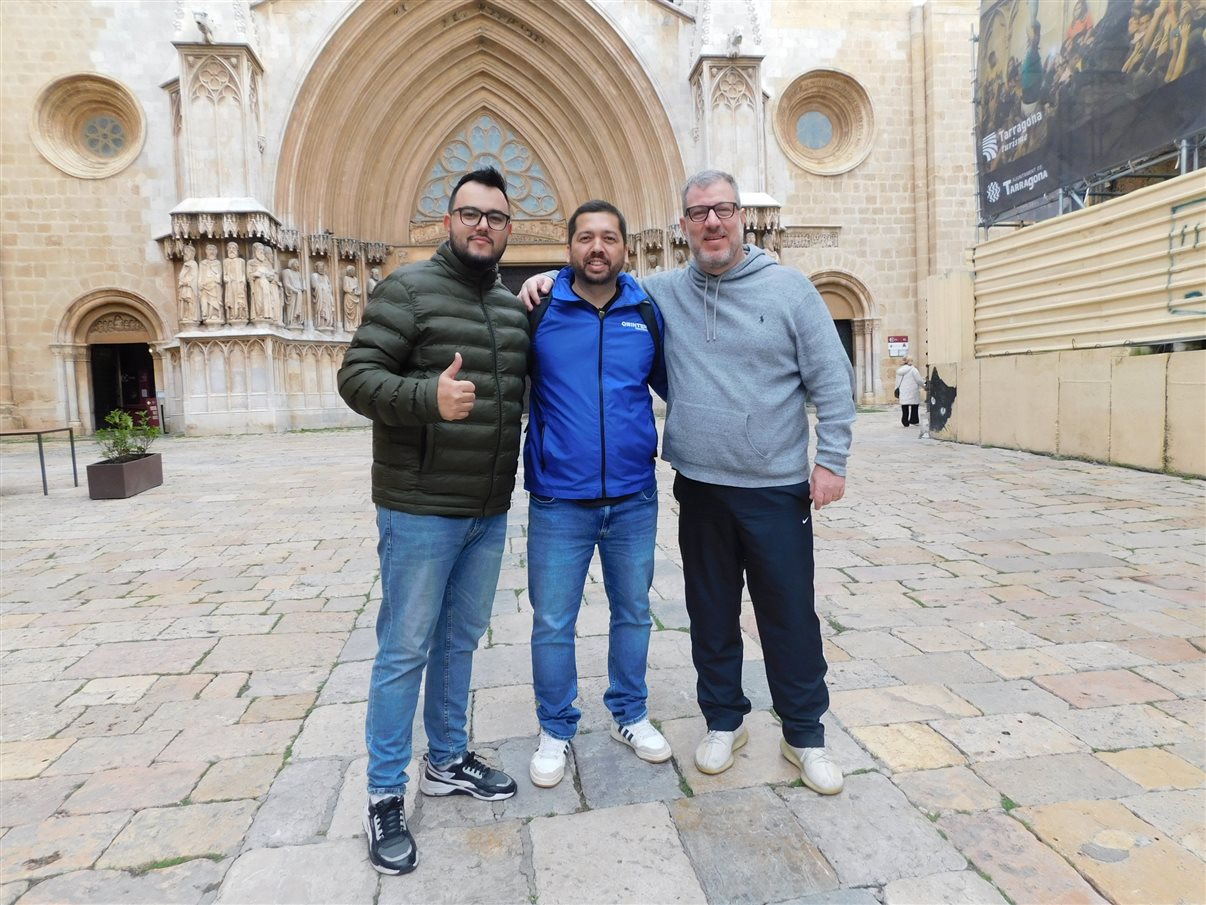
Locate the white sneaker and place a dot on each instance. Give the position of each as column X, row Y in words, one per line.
column 715, row 753
column 649, row 744
column 548, row 763
column 817, row 771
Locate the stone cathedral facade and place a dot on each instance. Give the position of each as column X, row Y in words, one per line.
column 199, row 196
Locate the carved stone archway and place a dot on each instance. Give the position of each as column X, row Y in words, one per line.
column 847, row 298
column 395, row 81
column 103, row 316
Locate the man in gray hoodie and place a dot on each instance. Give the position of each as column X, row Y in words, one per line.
column 748, row 343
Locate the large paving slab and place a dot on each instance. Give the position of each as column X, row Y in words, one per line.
column 189, row 670
column 645, row 860
column 838, row 825
column 748, row 848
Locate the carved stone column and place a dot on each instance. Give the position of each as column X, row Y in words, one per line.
column 730, row 117
column 219, row 130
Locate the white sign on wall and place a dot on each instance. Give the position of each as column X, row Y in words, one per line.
column 898, row 346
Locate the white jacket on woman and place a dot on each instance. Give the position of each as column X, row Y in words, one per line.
column 909, row 382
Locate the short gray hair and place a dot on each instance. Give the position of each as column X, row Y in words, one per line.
column 704, row 178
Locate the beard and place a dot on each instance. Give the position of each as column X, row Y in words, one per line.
column 475, row 260
column 718, row 260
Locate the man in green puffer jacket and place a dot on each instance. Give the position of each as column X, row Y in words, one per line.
column 439, row 366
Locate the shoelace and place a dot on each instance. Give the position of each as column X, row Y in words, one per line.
column 390, row 818
column 474, row 766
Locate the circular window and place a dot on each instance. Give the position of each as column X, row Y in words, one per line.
column 814, row 130
column 88, row 125
column 824, row 122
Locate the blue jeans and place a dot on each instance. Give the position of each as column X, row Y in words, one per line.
column 438, row 577
column 562, row 537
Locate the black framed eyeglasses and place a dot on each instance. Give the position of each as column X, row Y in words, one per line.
column 724, row 211
column 471, row 216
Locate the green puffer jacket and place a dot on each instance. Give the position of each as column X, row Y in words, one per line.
column 417, row 318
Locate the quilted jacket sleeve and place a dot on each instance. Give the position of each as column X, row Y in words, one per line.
column 380, row 378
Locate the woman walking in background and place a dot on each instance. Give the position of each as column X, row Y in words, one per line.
column 909, row 384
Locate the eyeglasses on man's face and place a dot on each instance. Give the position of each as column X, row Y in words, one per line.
column 698, row 213
column 471, row 216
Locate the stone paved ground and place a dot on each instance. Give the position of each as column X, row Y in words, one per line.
column 1017, row 673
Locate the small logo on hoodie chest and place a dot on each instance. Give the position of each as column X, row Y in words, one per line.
column 635, row 325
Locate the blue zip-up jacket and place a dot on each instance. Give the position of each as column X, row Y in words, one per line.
column 591, row 433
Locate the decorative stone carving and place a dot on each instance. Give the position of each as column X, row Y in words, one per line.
column 770, row 244
column 375, row 252
column 653, row 263
column 295, row 294
column 186, row 287
column 351, row 298
column 320, row 243
column 811, row 237
column 680, row 258
column 265, row 285
column 732, row 88
column 234, row 275
column 216, row 80
column 349, row 249
column 204, row 26
column 287, row 239
column 374, row 278
column 324, row 299
column 210, row 287
column 487, row 142
column 116, row 323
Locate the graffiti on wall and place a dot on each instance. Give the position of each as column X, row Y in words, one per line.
column 1186, row 242
column 941, row 401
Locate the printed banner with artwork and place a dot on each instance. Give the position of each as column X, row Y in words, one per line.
column 1069, row 88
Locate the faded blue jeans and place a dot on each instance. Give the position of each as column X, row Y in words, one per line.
column 562, row 536
column 438, row 577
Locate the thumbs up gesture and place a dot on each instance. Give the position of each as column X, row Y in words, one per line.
column 454, row 398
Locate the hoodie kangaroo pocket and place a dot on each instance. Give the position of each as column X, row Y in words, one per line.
column 710, row 437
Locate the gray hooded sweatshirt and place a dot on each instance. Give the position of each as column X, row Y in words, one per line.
column 744, row 352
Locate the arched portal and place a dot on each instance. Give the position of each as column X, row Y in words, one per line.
column 397, row 82
column 849, row 302
column 108, row 347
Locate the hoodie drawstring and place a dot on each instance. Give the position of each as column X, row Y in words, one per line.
column 710, row 317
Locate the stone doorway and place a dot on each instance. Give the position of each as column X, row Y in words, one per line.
column 123, row 377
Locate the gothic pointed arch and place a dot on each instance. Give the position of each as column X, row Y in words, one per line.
column 370, row 114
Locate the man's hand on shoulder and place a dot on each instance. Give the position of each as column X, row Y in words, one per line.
column 454, row 398
column 533, row 288
column 825, row 487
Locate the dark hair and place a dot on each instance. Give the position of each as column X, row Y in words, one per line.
column 487, row 176
column 596, row 207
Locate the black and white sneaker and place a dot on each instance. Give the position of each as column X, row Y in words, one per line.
column 390, row 844
column 468, row 776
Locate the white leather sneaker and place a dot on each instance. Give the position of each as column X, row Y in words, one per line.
column 643, row 738
column 817, row 771
column 548, row 763
column 715, row 753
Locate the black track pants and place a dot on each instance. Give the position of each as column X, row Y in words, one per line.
column 766, row 533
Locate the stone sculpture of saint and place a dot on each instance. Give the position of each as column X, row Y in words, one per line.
column 374, row 278
column 211, row 287
column 351, row 299
column 234, row 274
column 186, row 287
column 651, row 259
column 324, row 298
column 295, row 293
column 262, row 274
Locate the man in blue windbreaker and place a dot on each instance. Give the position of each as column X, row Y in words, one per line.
column 589, row 470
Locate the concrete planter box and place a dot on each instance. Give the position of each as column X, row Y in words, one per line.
column 119, row 480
